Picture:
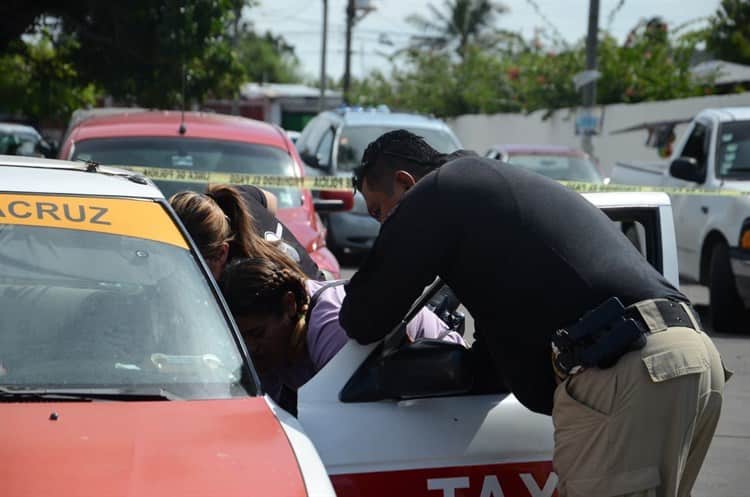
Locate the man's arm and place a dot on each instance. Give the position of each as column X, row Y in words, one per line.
column 414, row 244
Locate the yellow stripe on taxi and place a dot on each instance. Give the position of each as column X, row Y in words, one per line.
column 126, row 217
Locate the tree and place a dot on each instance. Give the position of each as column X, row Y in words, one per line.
column 433, row 83
column 38, row 81
column 140, row 51
column 728, row 36
column 267, row 58
column 653, row 64
column 463, row 23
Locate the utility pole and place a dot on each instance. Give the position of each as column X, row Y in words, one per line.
column 321, row 100
column 589, row 90
column 350, row 13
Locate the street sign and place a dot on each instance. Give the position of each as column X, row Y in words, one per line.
column 587, row 123
column 585, row 77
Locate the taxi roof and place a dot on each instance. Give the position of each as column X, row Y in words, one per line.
column 628, row 199
column 37, row 175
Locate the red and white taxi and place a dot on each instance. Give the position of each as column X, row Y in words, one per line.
column 121, row 371
column 398, row 419
column 197, row 145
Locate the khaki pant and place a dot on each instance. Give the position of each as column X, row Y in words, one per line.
column 643, row 426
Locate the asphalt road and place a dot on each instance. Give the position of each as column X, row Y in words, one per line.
column 726, row 471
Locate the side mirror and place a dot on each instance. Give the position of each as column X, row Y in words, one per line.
column 48, row 148
column 686, row 168
column 334, row 201
column 314, row 160
column 309, row 159
column 425, row 368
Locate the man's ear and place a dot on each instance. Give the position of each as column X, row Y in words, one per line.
column 404, row 179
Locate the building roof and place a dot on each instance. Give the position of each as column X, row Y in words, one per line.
column 283, row 90
column 725, row 72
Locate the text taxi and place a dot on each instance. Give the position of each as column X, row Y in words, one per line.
column 121, row 373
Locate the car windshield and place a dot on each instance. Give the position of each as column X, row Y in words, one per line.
column 18, row 143
column 558, row 167
column 354, row 141
column 733, row 151
column 108, row 309
column 193, row 155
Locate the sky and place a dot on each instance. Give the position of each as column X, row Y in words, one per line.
column 384, row 29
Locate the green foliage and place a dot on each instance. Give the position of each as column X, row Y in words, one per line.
column 728, row 37
column 651, row 65
column 38, row 81
column 137, row 50
column 433, row 83
column 267, row 58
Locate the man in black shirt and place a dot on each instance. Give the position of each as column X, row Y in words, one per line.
column 527, row 257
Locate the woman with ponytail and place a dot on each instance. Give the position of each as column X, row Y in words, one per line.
column 291, row 324
column 223, row 229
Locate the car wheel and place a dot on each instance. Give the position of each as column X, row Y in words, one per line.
column 727, row 312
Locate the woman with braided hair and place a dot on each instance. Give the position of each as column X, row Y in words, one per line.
column 291, row 324
column 223, row 229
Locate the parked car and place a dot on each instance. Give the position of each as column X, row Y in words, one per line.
column 200, row 144
column 556, row 162
column 121, row 370
column 333, row 143
column 20, row 139
column 713, row 229
column 396, row 418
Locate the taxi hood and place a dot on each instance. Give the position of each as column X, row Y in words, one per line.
column 144, row 449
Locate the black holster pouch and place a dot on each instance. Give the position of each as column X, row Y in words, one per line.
column 598, row 339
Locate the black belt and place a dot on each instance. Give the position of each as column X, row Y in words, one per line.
column 673, row 313
column 605, row 333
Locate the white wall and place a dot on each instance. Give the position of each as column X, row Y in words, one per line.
column 479, row 132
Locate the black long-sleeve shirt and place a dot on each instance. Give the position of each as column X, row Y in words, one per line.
column 523, row 253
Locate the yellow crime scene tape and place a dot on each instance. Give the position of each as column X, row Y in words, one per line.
column 337, row 183
column 259, row 180
column 596, row 188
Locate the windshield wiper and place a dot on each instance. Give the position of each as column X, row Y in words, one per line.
column 11, row 394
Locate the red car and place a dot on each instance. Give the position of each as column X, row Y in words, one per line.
column 199, row 144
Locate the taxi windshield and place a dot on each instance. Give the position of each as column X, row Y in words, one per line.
column 91, row 309
column 193, row 155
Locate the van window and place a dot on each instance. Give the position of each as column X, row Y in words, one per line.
column 733, row 150
column 354, row 141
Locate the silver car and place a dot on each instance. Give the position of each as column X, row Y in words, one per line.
column 333, row 143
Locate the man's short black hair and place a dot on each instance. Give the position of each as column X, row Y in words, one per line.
column 404, row 150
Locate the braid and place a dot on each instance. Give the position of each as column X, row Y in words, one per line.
column 257, row 286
